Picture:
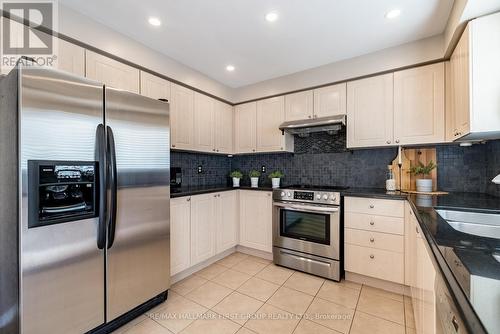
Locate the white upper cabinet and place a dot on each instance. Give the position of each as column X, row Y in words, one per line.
column 71, row 58
column 227, row 220
column 224, row 128
column 330, row 100
column 202, row 227
column 111, row 72
column 154, row 87
column 419, row 102
column 204, row 112
column 270, row 115
column 245, row 127
column 182, row 117
column 475, row 88
column 180, row 222
column 370, row 112
column 299, row 106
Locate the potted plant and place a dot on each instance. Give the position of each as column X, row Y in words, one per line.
column 275, row 178
column 254, row 178
column 423, row 184
column 236, row 175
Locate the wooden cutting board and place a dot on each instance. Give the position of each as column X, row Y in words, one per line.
column 410, row 157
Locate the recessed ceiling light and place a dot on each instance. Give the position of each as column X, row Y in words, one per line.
column 229, row 68
column 392, row 14
column 154, row 21
column 271, row 17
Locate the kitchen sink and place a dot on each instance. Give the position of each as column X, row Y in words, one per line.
column 475, row 223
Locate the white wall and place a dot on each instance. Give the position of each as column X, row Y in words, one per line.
column 404, row 55
column 86, row 30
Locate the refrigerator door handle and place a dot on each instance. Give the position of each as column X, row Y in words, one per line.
column 101, row 159
column 113, row 184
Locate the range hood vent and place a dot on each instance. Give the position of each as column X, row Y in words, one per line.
column 331, row 124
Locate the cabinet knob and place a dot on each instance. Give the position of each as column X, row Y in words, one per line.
column 217, row 150
column 253, row 150
column 173, row 145
column 372, row 240
column 372, row 223
column 388, row 142
column 372, row 256
column 372, row 206
column 213, row 149
column 309, row 116
column 188, row 199
column 282, row 148
column 397, row 141
column 416, row 230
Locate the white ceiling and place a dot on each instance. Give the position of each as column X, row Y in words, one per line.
column 207, row 35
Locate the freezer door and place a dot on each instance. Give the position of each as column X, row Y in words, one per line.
column 62, row 269
column 138, row 256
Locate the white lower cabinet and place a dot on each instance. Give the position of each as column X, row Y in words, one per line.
column 202, row 227
column 256, row 219
column 180, row 227
column 226, row 212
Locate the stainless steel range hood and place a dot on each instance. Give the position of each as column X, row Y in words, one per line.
column 330, row 124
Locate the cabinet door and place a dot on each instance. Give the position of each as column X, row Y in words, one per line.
column 111, row 72
column 202, row 227
column 182, row 117
column 154, row 87
column 256, row 220
column 204, row 108
column 428, row 291
column 245, row 124
column 224, row 126
column 419, row 105
column 299, row 106
column 226, row 220
column 270, row 115
column 71, row 58
column 460, row 80
column 370, row 111
column 330, row 101
column 180, row 221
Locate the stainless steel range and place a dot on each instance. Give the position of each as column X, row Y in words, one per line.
column 307, row 230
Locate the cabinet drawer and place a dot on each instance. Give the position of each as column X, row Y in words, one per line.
column 360, row 221
column 384, row 241
column 376, row 263
column 383, row 207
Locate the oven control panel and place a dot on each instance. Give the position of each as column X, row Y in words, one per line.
column 320, row 197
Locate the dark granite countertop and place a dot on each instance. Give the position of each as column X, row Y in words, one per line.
column 465, row 260
column 374, row 193
column 198, row 190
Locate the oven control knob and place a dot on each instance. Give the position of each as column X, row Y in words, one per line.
column 325, row 197
column 289, row 194
column 333, row 198
column 283, row 194
column 318, row 197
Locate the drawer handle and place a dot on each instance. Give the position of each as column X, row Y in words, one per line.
column 372, row 240
column 372, row 223
column 372, row 206
column 372, row 256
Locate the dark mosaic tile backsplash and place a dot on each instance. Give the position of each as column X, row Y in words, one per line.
column 319, row 162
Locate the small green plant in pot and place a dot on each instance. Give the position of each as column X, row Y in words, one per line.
column 275, row 177
column 236, row 175
column 254, row 178
column 423, row 184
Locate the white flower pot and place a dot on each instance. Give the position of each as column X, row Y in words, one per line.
column 254, row 182
column 276, row 182
column 424, row 185
column 236, row 181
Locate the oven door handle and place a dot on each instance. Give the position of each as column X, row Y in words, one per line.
column 307, row 208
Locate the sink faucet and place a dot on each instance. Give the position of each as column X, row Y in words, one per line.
column 496, row 180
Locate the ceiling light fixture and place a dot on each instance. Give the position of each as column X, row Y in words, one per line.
column 154, row 21
column 229, row 68
column 271, row 17
column 392, row 14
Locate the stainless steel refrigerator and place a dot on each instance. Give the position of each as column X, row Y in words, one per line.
column 84, row 213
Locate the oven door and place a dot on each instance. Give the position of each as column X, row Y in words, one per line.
column 312, row 229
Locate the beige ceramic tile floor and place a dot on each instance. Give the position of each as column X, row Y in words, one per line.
column 247, row 295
